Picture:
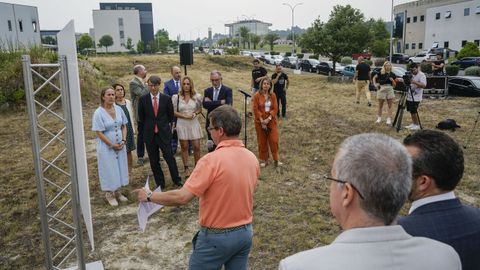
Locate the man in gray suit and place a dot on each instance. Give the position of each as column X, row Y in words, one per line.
column 138, row 88
column 365, row 201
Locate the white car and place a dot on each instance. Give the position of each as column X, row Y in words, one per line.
column 277, row 59
column 421, row 58
column 245, row 53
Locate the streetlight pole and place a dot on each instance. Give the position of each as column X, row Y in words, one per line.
column 391, row 34
column 293, row 11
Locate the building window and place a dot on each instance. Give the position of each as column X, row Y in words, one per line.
column 477, row 10
column 120, row 21
column 422, row 18
column 464, row 42
column 406, row 46
column 413, row 46
column 20, row 26
column 414, row 19
column 437, row 16
column 122, row 34
column 445, row 44
column 477, row 42
column 420, row 46
column 408, row 19
column 9, row 25
column 34, row 26
column 108, row 7
column 448, row 15
column 466, row 12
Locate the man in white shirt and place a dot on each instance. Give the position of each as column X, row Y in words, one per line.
column 365, row 201
column 414, row 97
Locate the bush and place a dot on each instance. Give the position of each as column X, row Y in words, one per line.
column 346, row 61
column 426, row 68
column 379, row 62
column 232, row 51
column 369, row 62
column 288, row 54
column 274, row 53
column 452, row 70
column 300, row 55
column 313, row 56
column 469, row 50
column 472, row 71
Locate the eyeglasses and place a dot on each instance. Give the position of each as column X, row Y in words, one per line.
column 326, row 177
column 152, row 85
column 211, row 128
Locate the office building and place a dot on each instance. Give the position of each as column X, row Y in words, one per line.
column 19, row 26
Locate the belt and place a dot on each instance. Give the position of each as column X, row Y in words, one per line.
column 223, row 230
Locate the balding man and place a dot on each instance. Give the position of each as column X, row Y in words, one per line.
column 138, row 88
column 172, row 87
column 365, row 201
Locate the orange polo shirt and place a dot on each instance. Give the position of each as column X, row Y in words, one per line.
column 224, row 180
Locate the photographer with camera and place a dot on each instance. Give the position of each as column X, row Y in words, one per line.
column 415, row 83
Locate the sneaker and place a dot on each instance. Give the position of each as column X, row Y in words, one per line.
column 389, row 121
column 369, row 104
column 415, row 127
column 120, row 197
column 110, row 196
column 263, row 164
column 277, row 163
column 409, row 126
column 379, row 119
column 140, row 161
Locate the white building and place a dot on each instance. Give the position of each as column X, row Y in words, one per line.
column 120, row 25
column 19, row 26
column 254, row 26
column 451, row 26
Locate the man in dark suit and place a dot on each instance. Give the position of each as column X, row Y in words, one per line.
column 171, row 88
column 138, row 89
column 435, row 212
column 214, row 97
column 155, row 113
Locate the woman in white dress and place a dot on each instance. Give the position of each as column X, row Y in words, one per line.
column 187, row 105
column 109, row 122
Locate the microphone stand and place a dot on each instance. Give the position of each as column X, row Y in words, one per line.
column 246, row 96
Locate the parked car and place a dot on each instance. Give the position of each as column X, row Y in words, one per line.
column 326, row 68
column 256, row 55
column 277, row 59
column 464, row 86
column 398, row 58
column 289, row 62
column 267, row 58
column 309, row 65
column 422, row 57
column 467, row 62
column 449, row 51
column 349, row 71
column 245, row 53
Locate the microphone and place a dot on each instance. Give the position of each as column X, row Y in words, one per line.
column 245, row 93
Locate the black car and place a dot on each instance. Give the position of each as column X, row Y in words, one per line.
column 398, row 58
column 289, row 62
column 468, row 86
column 326, row 68
column 467, row 62
column 309, row 65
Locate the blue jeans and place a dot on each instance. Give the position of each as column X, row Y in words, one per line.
column 212, row 250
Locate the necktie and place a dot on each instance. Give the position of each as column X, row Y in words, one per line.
column 155, row 110
column 215, row 94
column 176, row 85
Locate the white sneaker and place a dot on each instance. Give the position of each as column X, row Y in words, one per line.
column 389, row 121
column 110, row 196
column 415, row 127
column 409, row 126
column 120, row 197
column 379, row 119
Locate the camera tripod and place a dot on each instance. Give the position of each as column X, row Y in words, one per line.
column 397, row 121
column 471, row 131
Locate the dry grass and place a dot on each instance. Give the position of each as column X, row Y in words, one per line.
column 291, row 206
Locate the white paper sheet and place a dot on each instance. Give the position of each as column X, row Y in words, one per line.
column 146, row 209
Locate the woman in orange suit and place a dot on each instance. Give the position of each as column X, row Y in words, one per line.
column 265, row 109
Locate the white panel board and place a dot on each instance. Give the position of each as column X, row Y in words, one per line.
column 67, row 46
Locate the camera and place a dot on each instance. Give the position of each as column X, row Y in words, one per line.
column 407, row 78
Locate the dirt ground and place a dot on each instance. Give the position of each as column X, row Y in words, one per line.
column 291, row 210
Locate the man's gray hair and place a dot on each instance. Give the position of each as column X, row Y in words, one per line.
column 380, row 168
column 216, row 72
column 226, row 117
column 137, row 69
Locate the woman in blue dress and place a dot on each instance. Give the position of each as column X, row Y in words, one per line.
column 109, row 122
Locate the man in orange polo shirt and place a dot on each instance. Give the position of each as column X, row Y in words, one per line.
column 224, row 180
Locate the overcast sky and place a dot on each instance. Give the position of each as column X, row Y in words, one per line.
column 192, row 18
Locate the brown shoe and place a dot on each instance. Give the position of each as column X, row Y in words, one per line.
column 120, row 197
column 110, row 196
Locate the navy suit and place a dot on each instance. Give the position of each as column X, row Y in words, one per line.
column 148, row 120
column 452, row 223
column 170, row 88
column 225, row 93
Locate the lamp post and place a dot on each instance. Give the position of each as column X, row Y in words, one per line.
column 391, row 34
column 293, row 10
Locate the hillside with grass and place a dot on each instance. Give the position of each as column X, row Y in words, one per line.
column 291, row 206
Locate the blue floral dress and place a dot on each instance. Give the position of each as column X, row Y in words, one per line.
column 112, row 165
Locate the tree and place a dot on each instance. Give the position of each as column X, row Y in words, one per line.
column 379, row 37
column 235, row 42
column 469, row 50
column 255, row 39
column 129, row 45
column 85, row 42
column 343, row 35
column 49, row 40
column 244, row 31
column 140, row 46
column 105, row 41
column 380, row 48
column 270, row 39
column 162, row 32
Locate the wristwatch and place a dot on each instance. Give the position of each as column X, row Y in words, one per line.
column 149, row 195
